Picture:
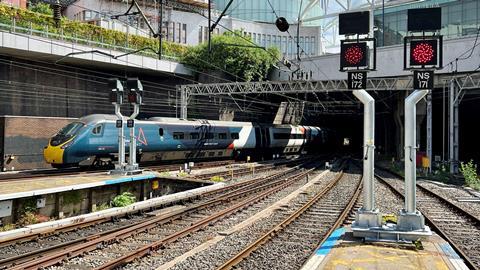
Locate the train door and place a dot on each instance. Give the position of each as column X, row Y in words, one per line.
column 258, row 138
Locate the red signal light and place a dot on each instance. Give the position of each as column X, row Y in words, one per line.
column 423, row 52
column 132, row 97
column 353, row 55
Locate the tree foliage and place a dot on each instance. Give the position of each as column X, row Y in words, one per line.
column 235, row 55
column 42, row 8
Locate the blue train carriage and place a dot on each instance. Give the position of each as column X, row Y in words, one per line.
column 93, row 140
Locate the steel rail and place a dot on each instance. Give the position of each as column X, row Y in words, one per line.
column 78, row 249
column 244, row 184
column 138, row 253
column 282, row 225
column 470, row 264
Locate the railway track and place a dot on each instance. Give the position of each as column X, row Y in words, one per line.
column 8, row 177
column 253, row 191
column 455, row 224
column 235, row 187
column 294, row 238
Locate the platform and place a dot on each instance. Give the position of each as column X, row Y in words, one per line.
column 342, row 251
column 54, row 184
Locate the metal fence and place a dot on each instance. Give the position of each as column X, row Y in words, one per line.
column 93, row 41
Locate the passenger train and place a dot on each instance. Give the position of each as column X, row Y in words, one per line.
column 93, row 140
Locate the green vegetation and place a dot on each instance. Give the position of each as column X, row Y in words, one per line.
column 73, row 31
column 397, row 168
column 102, row 206
column 7, row 227
column 217, row 178
column 234, row 54
column 72, row 197
column 27, row 218
column 28, row 205
column 165, row 174
column 42, row 8
column 469, row 171
column 125, row 199
column 182, row 174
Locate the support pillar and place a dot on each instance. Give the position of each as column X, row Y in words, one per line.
column 368, row 216
column 429, row 130
column 132, row 158
column 183, row 102
column 453, row 126
column 410, row 219
column 121, row 141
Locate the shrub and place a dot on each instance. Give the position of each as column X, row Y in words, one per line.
column 217, row 178
column 7, row 227
column 469, row 172
column 40, row 21
column 123, row 200
column 27, row 218
column 102, row 206
column 182, row 174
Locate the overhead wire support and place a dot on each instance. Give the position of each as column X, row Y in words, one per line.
column 154, row 33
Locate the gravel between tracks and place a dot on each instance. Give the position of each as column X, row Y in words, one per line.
column 228, row 246
column 185, row 244
column 93, row 259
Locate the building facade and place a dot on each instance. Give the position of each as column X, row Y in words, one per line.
column 187, row 24
column 460, row 18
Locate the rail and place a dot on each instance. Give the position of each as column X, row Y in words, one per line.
column 456, row 245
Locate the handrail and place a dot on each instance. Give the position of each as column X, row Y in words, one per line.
column 75, row 39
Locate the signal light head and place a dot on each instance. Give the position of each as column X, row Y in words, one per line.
column 423, row 52
column 353, row 55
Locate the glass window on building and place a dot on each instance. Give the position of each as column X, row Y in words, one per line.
column 313, row 44
column 284, row 45
column 184, row 33
column 269, row 41
column 307, row 46
column 470, row 12
column 200, row 34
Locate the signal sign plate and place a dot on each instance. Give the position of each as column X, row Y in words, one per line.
column 357, row 80
column 422, row 80
column 130, row 123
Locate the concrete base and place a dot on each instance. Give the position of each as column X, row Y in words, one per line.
column 390, row 232
column 367, row 219
column 125, row 172
column 410, row 221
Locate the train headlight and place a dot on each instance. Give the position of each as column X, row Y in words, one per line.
column 67, row 144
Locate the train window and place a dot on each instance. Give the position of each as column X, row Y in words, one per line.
column 202, row 154
column 211, row 154
column 222, row 136
column 235, row 136
column 160, row 131
column 209, row 136
column 281, row 136
column 97, row 130
column 296, row 136
column 194, row 136
column 219, row 153
column 178, row 136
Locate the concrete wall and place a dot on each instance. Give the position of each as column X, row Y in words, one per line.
column 77, row 202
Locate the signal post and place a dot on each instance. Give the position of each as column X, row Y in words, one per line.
column 135, row 96
column 357, row 57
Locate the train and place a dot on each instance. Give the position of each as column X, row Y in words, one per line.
column 93, row 140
